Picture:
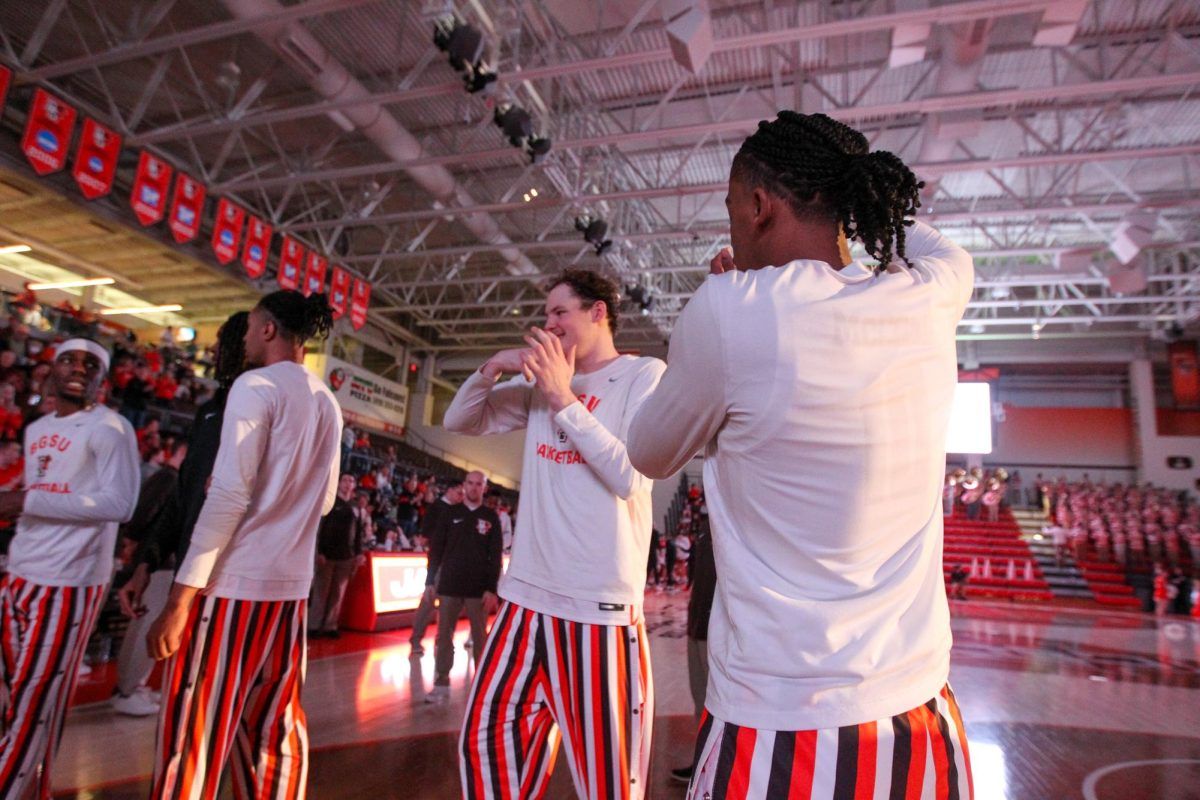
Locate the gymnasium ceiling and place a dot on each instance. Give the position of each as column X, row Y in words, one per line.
column 1040, row 127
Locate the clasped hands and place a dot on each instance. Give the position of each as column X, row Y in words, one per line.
column 544, row 362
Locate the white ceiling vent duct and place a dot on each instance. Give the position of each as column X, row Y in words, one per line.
column 1073, row 262
column 1126, row 279
column 909, row 41
column 689, row 32
column 1059, row 23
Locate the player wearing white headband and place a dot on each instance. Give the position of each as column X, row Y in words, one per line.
column 81, row 482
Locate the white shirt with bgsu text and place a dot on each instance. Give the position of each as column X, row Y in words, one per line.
column 584, row 527
column 81, row 482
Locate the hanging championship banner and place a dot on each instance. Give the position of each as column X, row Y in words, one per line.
column 339, row 291
column 227, row 230
column 96, row 159
column 186, row 207
column 5, row 80
column 358, row 303
column 314, row 273
column 1185, row 373
column 290, row 260
column 258, row 246
column 47, row 133
column 149, row 197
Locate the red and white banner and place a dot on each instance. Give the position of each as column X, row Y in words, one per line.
column 187, row 206
column 227, row 230
column 47, row 133
column 96, row 159
column 359, row 302
column 150, row 185
column 339, row 291
column 314, row 273
column 291, row 259
column 258, row 247
column 1185, row 373
column 5, row 80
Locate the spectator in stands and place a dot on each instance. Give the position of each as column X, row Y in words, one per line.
column 958, row 582
column 341, row 543
column 12, row 418
column 465, row 561
column 11, row 466
column 347, row 445
column 1162, row 590
column 138, row 390
column 362, row 510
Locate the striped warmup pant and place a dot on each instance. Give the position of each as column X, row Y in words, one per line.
column 919, row 755
column 43, row 634
column 543, row 679
column 234, row 688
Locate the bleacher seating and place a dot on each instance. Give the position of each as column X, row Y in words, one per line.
column 999, row 562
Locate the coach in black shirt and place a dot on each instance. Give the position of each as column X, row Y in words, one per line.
column 339, row 554
column 466, row 561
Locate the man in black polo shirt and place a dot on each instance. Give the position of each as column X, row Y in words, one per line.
column 339, row 553
column 431, row 530
column 466, row 561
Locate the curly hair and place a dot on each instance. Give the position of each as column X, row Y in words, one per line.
column 825, row 168
column 231, row 349
column 301, row 317
column 592, row 287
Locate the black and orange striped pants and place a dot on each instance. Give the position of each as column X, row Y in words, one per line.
column 919, row 755
column 43, row 634
column 233, row 689
column 543, row 681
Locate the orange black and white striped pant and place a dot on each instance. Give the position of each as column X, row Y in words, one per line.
column 233, row 688
column 918, row 755
column 543, row 680
column 43, row 634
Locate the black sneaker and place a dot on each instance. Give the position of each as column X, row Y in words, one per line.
column 682, row 775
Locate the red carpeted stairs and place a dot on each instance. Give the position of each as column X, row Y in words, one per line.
column 1108, row 585
column 995, row 548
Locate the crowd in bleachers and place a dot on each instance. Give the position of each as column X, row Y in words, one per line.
column 670, row 566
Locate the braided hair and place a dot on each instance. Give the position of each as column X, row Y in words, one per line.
column 825, row 168
column 231, row 349
column 300, row 317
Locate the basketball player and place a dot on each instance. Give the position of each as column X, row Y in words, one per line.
column 239, row 648
column 821, row 390
column 567, row 656
column 81, row 482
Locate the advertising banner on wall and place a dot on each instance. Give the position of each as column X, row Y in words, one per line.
column 186, row 208
column 291, row 258
column 258, row 247
column 47, row 133
column 96, row 159
column 149, row 197
column 367, row 400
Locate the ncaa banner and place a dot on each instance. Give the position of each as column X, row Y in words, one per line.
column 339, row 291
column 290, row 260
column 227, row 230
column 258, row 247
column 358, row 303
column 5, row 80
column 186, row 208
column 96, row 159
column 314, row 273
column 47, row 133
column 150, row 184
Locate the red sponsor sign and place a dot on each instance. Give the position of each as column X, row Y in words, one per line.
column 227, row 230
column 149, row 197
column 187, row 207
column 47, row 133
column 314, row 273
column 5, row 80
column 359, row 302
column 258, row 247
column 96, row 159
column 291, row 259
column 339, row 291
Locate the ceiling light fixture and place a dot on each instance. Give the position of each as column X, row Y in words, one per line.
column 14, row 248
column 108, row 312
column 39, row 287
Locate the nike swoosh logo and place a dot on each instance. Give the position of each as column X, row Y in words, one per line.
column 455, row 522
column 210, row 415
column 613, row 380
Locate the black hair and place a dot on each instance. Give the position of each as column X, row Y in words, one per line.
column 591, row 287
column 231, row 349
column 824, row 167
column 300, row 317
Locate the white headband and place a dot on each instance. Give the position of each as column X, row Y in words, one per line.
column 86, row 345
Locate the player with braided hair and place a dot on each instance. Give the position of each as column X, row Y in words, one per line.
column 234, row 627
column 821, row 389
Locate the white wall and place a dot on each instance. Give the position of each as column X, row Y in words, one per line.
column 498, row 456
